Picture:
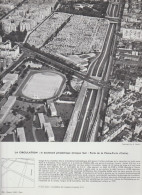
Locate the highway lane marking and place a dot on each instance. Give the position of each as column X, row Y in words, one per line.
column 117, row 13
column 92, row 90
column 85, row 115
column 107, row 43
column 106, row 50
column 103, row 59
column 95, row 109
column 100, row 53
column 95, row 60
column 113, row 13
column 94, row 125
column 109, row 8
column 90, row 70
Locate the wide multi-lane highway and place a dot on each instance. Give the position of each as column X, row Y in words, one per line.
column 90, row 112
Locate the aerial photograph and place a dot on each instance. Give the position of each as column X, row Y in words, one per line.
column 70, row 70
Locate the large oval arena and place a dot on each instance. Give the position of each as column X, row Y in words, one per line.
column 44, row 85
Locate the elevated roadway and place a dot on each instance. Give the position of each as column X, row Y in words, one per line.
column 58, row 65
column 88, row 117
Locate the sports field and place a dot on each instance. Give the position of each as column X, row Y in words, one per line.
column 43, row 85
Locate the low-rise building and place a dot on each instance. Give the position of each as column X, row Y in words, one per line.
column 41, row 119
column 117, row 93
column 5, row 45
column 20, row 132
column 12, row 78
column 137, row 87
column 8, row 26
column 111, row 134
column 8, row 6
column 48, row 130
column 8, row 81
column 53, row 109
column 131, row 57
column 138, row 128
column 27, row 25
column 6, row 50
column 7, row 107
column 0, row 39
column 13, row 52
column 3, row 64
column 132, row 34
column 33, row 65
column 5, row 88
column 83, row 69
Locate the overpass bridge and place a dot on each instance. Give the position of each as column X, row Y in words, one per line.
column 113, row 19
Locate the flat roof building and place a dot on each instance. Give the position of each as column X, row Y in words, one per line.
column 7, row 50
column 49, row 132
column 111, row 134
column 52, row 109
column 132, row 34
column 33, row 65
column 5, row 88
column 5, row 45
column 21, row 134
column 6, row 107
column 41, row 119
column 10, row 78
